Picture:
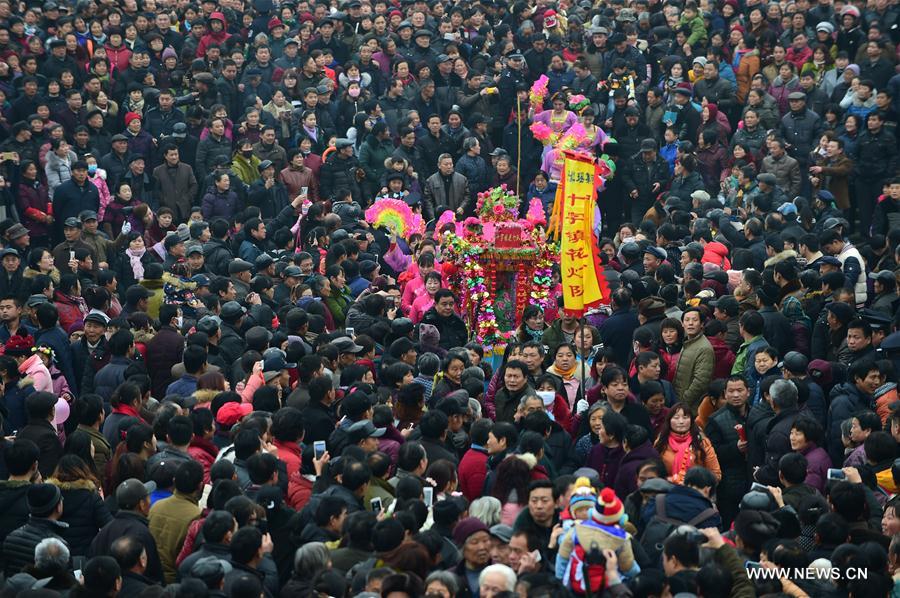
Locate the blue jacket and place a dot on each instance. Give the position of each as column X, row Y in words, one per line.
column 58, row 340
column 683, row 503
column 249, row 251
column 184, row 386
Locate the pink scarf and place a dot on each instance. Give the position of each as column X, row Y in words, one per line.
column 136, row 265
column 684, row 455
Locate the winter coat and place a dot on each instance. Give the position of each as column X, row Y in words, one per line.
column 13, row 402
column 217, row 254
column 453, row 330
column 129, row 523
column 733, row 463
column 13, row 505
column 70, row 199
column 786, row 171
column 34, row 369
column 110, row 376
column 58, row 170
column 176, row 189
column 208, row 152
column 846, row 399
column 34, row 205
column 717, row 91
column 340, row 173
column 472, row 473
column 436, row 199
column 626, row 476
column 801, row 130
column 295, row 180
column 875, row 156
column 163, row 351
column 372, row 155
column 168, row 522
column 747, row 67
column 817, row 465
column 18, row 547
column 777, row 445
column 84, row 512
column 694, row 370
column 43, row 434
column 835, row 177
column 682, row 503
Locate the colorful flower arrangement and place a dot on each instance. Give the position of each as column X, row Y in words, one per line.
column 578, row 102
column 474, row 291
column 542, row 282
column 478, row 267
column 574, row 137
column 543, row 133
column 395, row 215
column 538, row 93
column 535, row 213
column 498, row 204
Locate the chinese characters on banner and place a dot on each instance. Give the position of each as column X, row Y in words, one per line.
column 573, row 219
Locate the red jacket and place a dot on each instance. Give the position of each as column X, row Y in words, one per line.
column 203, row 452
column 299, row 491
column 472, row 472
column 289, row 452
column 724, row 357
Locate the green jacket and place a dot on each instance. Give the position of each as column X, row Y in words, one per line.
column 747, row 350
column 694, row 370
column 372, row 154
column 246, row 169
column 169, row 520
column 338, row 305
column 698, row 29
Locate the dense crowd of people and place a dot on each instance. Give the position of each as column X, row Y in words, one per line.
column 218, row 379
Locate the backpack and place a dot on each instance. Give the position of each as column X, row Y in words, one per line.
column 587, row 565
column 661, row 527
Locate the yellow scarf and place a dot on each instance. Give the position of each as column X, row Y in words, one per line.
column 565, row 374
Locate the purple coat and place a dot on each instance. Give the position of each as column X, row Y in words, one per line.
column 626, row 478
column 817, row 465
column 606, row 462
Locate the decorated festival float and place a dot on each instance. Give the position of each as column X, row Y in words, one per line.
column 497, row 262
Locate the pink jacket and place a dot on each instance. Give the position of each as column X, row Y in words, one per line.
column 34, row 368
column 421, row 304
column 99, row 180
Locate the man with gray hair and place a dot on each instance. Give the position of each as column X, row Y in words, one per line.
column 51, row 560
column 445, row 190
column 496, row 579
column 782, row 397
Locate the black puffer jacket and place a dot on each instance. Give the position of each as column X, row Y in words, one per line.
column 339, row 173
column 13, row 508
column 18, row 547
column 84, row 512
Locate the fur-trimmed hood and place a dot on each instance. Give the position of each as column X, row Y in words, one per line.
column 74, row 485
column 26, row 381
column 205, row 396
column 780, row 257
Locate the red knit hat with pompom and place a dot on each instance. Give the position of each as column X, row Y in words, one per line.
column 18, row 346
column 609, row 508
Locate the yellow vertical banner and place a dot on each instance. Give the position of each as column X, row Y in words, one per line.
column 582, row 280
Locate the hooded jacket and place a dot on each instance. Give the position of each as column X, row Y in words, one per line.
column 84, row 512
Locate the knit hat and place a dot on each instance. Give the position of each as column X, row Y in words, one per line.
column 169, row 52
column 19, row 346
column 466, row 528
column 583, row 495
column 609, row 510
column 42, row 499
column 130, row 117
